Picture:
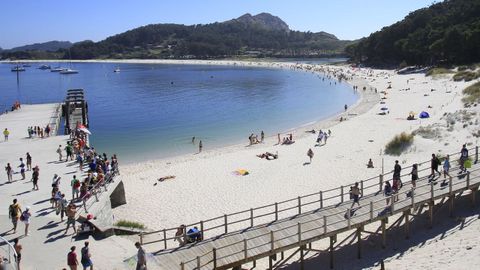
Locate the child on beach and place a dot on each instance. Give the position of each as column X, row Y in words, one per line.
column 59, row 152
column 310, row 154
column 22, row 168
column 5, row 134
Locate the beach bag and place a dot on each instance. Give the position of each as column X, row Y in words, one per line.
column 468, row 164
column 22, row 217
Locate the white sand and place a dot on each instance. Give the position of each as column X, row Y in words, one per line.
column 205, row 187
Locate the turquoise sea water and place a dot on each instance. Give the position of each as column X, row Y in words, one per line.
column 153, row 110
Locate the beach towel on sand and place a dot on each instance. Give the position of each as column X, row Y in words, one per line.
column 241, row 172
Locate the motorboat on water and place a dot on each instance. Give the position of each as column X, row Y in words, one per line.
column 68, row 71
column 18, row 68
column 116, row 70
column 56, row 69
column 44, row 67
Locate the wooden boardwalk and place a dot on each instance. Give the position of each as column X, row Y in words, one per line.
column 251, row 243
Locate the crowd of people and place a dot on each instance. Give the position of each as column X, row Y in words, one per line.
column 37, row 131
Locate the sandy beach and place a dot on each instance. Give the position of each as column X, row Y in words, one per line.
column 205, row 185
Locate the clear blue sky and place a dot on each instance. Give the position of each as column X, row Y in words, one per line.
column 30, row 21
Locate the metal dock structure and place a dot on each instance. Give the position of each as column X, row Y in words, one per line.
column 75, row 110
column 229, row 241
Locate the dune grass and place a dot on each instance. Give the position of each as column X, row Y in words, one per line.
column 472, row 93
column 399, row 144
column 466, row 75
column 438, row 71
column 130, row 224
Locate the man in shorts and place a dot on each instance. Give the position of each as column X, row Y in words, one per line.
column 356, row 195
column 14, row 212
column 71, row 211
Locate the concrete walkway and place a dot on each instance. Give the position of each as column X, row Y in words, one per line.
column 46, row 247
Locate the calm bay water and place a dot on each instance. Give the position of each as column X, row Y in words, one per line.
column 153, row 110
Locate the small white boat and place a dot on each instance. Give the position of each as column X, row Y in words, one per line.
column 56, row 69
column 17, row 69
column 43, row 67
column 68, row 71
column 116, row 70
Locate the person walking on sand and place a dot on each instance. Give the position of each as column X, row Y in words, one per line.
column 9, row 171
column 71, row 212
column 25, row 218
column 29, row 162
column 18, row 249
column 310, row 154
column 193, row 140
column 6, row 132
column 141, row 257
column 355, row 195
column 59, row 152
column 14, row 211
column 75, row 184
column 86, row 259
column 262, row 136
column 345, row 107
column 434, row 163
column 72, row 260
column 35, row 176
column 22, row 168
column 278, row 137
column 200, row 146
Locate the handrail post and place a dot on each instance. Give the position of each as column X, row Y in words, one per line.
column 201, row 229
column 251, row 217
column 225, row 223
column 299, row 232
column 371, row 210
column 392, row 206
column 341, row 193
column 412, row 196
column 321, row 199
column 450, row 186
column 361, row 187
column 468, row 179
column 245, row 248
column 299, row 205
column 85, row 204
column 431, row 191
column 141, row 238
column 198, row 263
column 96, row 196
column 165, row 238
column 214, row 253
column 182, row 266
column 324, row 224
column 272, row 243
column 476, row 154
column 276, row 211
column 349, row 213
column 380, row 182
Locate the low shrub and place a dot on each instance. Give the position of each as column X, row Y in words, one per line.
column 399, row 144
column 438, row 71
column 472, row 93
column 466, row 76
column 130, row 224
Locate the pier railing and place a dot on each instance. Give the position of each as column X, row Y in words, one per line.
column 8, row 253
column 226, row 223
column 55, row 118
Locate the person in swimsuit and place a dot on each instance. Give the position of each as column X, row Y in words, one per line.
column 18, row 249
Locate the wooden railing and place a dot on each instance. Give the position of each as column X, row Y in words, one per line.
column 273, row 212
column 212, row 257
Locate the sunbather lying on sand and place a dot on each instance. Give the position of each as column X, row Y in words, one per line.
column 161, row 179
column 268, row 156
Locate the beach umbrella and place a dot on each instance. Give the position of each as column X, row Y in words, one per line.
column 85, row 130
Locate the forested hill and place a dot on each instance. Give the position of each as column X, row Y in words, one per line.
column 260, row 35
column 446, row 32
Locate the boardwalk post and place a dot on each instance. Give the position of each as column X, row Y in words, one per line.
column 392, row 204
column 450, row 186
column 324, row 224
column 201, row 229
column 406, row 214
column 251, row 217
column 141, row 238
column 359, row 242
column 272, row 241
column 371, row 210
column 182, row 266
column 245, row 248
column 412, row 196
column 468, row 179
column 276, row 211
column 384, row 234
column 225, row 222
column 473, row 190
column 299, row 205
column 361, row 187
column 341, row 193
column 380, row 182
column 430, row 214
column 451, row 204
column 214, row 252
column 85, row 204
column 476, row 154
column 301, row 258
column 332, row 241
column 198, row 262
column 299, row 226
column 431, row 191
column 165, row 238
column 349, row 213
column 321, row 199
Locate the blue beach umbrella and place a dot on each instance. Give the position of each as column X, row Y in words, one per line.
column 384, row 109
column 424, row 114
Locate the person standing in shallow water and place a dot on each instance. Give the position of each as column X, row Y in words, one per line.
column 200, row 146
column 262, row 136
